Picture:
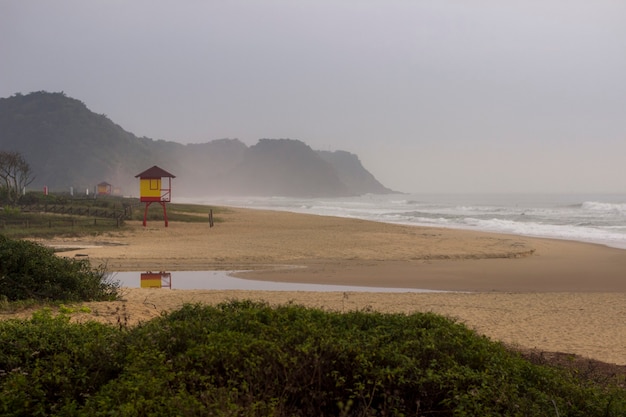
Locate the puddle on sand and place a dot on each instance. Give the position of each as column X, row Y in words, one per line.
column 221, row 280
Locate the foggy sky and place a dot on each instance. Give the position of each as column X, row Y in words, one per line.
column 434, row 96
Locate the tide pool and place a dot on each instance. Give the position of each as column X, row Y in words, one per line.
column 222, row 280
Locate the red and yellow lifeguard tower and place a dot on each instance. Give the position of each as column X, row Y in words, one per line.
column 104, row 188
column 155, row 186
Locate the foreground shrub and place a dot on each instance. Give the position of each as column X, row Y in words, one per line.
column 247, row 359
column 31, row 271
column 47, row 363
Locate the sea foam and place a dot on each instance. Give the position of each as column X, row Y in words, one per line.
column 588, row 218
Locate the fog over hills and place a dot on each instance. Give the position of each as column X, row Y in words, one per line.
column 68, row 145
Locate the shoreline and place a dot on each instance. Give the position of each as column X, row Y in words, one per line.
column 522, row 203
column 283, row 246
column 551, row 295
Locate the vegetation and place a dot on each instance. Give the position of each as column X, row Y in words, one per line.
column 248, row 359
column 15, row 175
column 30, row 271
column 191, row 213
column 39, row 215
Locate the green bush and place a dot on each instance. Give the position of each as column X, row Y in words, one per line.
column 47, row 363
column 31, row 271
column 247, row 359
column 38, row 197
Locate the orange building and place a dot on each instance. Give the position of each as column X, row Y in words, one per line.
column 104, row 188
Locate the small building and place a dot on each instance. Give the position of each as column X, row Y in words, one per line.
column 104, row 188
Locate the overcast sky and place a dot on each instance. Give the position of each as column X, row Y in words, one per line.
column 433, row 96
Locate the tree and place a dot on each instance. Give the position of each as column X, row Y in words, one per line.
column 15, row 175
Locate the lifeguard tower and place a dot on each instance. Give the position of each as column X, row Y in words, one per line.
column 104, row 188
column 155, row 186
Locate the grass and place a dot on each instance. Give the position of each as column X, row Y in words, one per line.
column 55, row 216
column 190, row 213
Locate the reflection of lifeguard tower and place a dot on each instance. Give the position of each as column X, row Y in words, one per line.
column 156, row 280
column 104, row 188
column 153, row 189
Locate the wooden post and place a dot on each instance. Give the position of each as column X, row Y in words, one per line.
column 164, row 212
column 145, row 214
column 211, row 218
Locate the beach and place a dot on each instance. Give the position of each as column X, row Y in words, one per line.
column 550, row 295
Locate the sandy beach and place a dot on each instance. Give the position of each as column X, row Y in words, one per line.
column 530, row 293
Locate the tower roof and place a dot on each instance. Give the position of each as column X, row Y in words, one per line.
column 154, row 172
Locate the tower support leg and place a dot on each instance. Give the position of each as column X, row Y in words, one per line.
column 145, row 212
column 164, row 212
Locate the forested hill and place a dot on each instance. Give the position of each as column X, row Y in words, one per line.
column 67, row 145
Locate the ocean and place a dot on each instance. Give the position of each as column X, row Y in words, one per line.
column 595, row 218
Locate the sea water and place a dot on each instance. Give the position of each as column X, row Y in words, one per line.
column 595, row 218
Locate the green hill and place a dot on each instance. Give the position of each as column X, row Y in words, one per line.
column 68, row 145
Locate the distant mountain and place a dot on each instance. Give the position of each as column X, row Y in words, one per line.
column 352, row 173
column 67, row 145
column 285, row 167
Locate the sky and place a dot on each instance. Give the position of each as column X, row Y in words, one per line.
column 433, row 96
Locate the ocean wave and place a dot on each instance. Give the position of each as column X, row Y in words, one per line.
column 562, row 217
column 559, row 231
column 597, row 206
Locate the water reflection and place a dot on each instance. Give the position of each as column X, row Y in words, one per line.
column 156, row 280
column 222, row 280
